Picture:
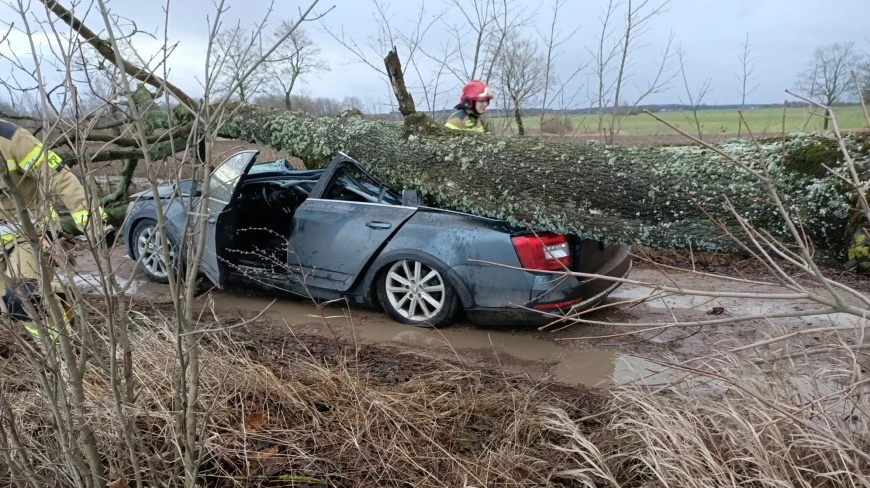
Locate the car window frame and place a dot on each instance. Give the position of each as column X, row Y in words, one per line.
column 230, row 185
column 341, row 171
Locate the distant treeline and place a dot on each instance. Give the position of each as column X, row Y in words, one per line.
column 670, row 107
column 327, row 106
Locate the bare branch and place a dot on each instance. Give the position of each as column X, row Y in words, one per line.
column 746, row 77
column 694, row 100
column 859, row 186
column 860, row 90
column 104, row 48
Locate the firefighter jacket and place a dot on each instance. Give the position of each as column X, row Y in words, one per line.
column 462, row 120
column 26, row 161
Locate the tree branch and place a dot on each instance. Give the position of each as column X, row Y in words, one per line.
column 104, row 47
column 158, row 151
column 394, row 71
column 176, row 133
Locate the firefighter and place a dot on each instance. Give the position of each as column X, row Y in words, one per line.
column 26, row 161
column 473, row 102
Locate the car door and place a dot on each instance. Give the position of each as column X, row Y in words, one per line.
column 336, row 231
column 221, row 220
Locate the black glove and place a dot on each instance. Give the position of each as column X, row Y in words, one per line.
column 111, row 234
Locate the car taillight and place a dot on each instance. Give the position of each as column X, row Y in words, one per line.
column 544, row 251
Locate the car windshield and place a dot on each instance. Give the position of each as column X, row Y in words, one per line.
column 352, row 184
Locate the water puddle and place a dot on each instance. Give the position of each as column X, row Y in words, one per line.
column 93, row 283
column 735, row 307
column 589, row 367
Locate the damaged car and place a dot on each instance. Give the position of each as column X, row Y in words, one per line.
column 340, row 233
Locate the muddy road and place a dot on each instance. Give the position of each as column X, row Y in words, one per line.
column 613, row 348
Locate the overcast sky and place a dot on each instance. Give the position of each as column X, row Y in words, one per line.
column 782, row 34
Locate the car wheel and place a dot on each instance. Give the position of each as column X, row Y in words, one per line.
column 415, row 293
column 147, row 244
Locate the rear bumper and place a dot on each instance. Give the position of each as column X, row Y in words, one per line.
column 557, row 294
column 581, row 293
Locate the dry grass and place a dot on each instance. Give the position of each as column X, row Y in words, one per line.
column 314, row 414
column 329, row 423
column 691, row 442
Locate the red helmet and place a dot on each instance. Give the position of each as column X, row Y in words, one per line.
column 475, row 90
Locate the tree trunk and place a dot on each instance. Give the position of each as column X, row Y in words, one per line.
column 519, row 118
column 646, row 195
column 397, row 79
column 242, row 95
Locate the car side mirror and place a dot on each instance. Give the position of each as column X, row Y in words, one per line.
column 411, row 198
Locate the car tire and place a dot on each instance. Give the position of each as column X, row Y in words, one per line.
column 415, row 293
column 145, row 239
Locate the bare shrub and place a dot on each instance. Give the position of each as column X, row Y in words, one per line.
column 557, row 124
column 789, row 409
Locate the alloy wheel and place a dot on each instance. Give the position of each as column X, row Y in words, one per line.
column 415, row 290
column 149, row 247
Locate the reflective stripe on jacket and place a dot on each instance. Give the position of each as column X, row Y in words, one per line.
column 462, row 120
column 26, row 159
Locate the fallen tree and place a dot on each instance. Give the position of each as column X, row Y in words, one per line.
column 660, row 197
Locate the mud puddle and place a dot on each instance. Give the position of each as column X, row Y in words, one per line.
column 582, row 354
column 93, row 283
column 590, row 367
column 736, row 307
column 514, row 352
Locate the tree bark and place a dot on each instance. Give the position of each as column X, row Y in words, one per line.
column 160, row 147
column 649, row 196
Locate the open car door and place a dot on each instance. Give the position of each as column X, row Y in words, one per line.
column 221, row 220
column 347, row 218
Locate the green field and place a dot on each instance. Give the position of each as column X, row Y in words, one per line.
column 713, row 121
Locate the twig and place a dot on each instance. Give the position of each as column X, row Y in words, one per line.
column 649, row 327
column 861, row 99
column 686, row 291
column 771, row 191
column 105, row 49
column 860, row 188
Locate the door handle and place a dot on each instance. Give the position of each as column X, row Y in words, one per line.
column 377, row 224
